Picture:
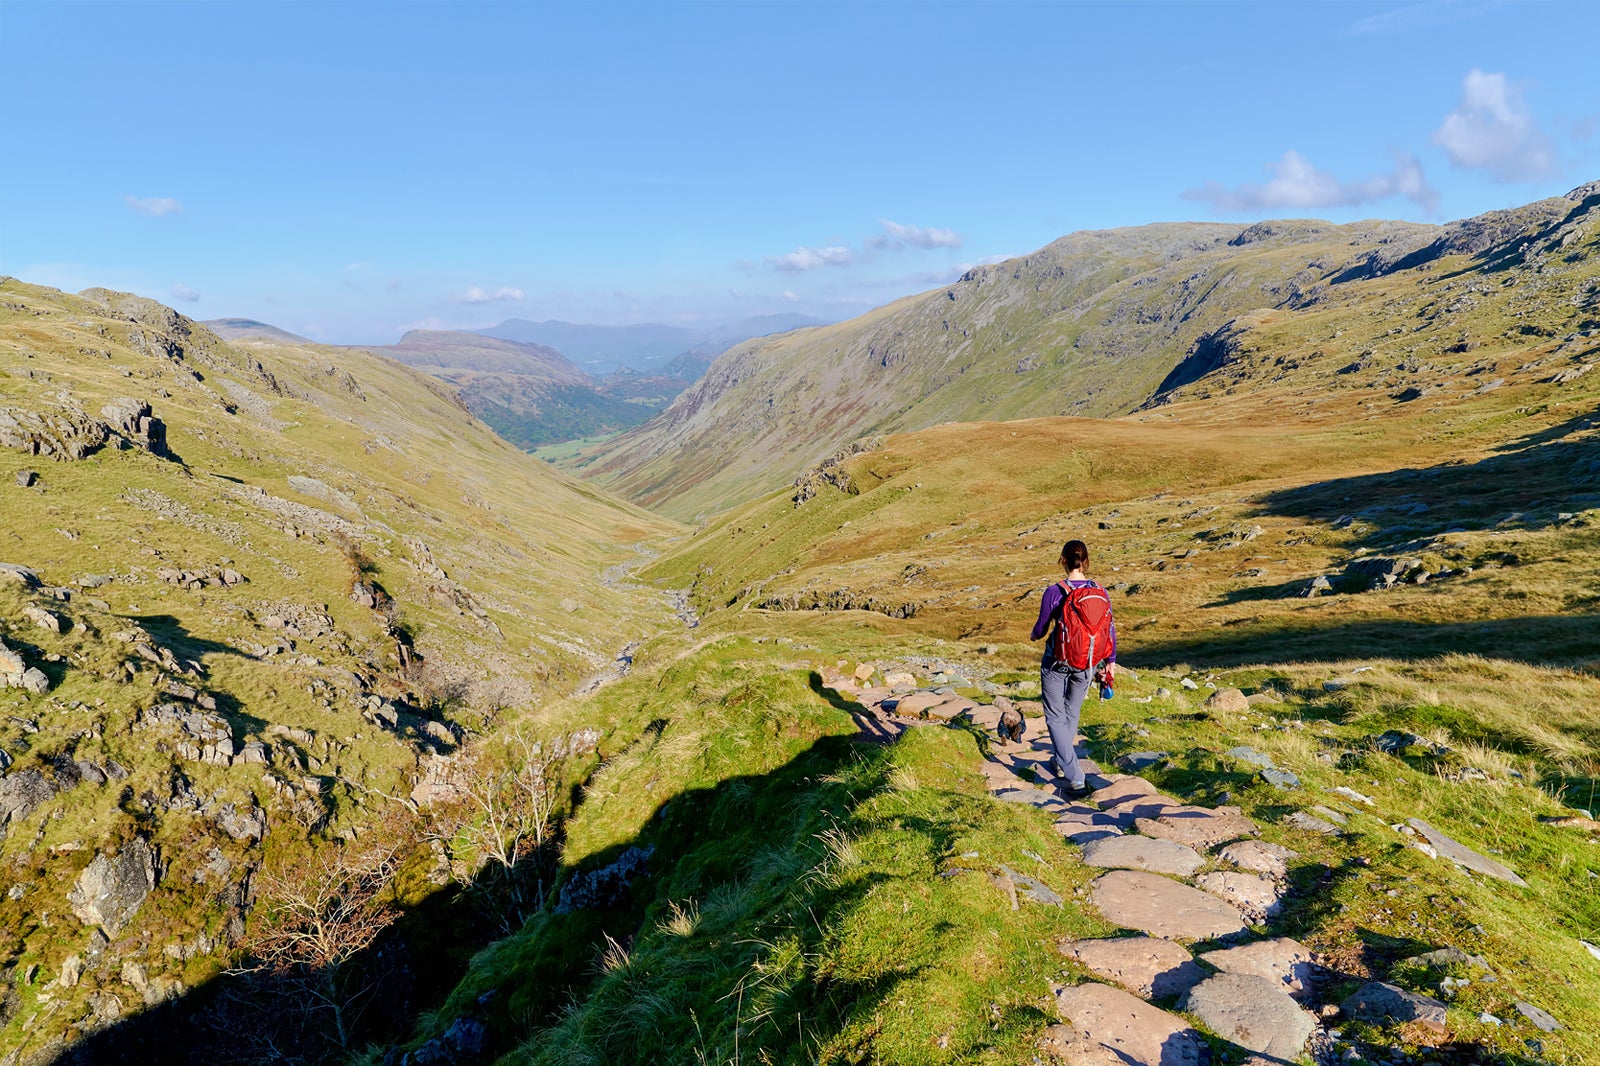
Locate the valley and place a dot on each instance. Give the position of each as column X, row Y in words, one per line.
column 639, row 755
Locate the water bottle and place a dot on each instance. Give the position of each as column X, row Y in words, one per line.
column 1105, row 691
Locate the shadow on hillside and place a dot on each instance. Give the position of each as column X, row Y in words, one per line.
column 1525, row 485
column 1553, row 640
column 739, row 848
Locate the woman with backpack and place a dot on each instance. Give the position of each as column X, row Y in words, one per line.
column 1076, row 612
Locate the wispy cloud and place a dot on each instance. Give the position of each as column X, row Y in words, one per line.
column 153, row 206
column 180, row 291
column 475, row 295
column 1412, row 18
column 897, row 236
column 804, row 258
column 1493, row 130
column 392, row 285
column 1298, row 184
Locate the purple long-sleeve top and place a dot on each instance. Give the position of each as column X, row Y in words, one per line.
column 1050, row 609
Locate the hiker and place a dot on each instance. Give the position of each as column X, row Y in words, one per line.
column 1085, row 634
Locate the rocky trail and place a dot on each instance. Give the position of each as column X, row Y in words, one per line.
column 1175, row 874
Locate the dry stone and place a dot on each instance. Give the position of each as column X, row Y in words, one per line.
column 1462, row 855
column 1140, row 1034
column 1258, row 856
column 1310, row 823
column 1145, row 966
column 1162, row 907
column 1285, row 962
column 1256, row 897
column 1143, row 853
column 1253, row 1013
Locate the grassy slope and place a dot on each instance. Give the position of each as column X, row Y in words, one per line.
column 427, row 487
column 962, row 523
column 1090, row 325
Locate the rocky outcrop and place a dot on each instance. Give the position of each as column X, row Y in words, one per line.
column 64, row 432
column 202, row 736
column 110, row 891
column 137, row 425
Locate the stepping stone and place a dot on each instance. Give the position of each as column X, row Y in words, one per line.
column 1143, row 965
column 1253, row 1013
column 1285, row 962
column 1033, row 797
column 1143, row 853
column 1068, row 1044
column 950, row 709
column 1162, row 907
column 1256, row 897
column 1121, row 790
column 1310, row 824
column 1140, row 1034
column 1379, row 1001
column 1462, row 855
column 1259, row 857
column 1199, row 827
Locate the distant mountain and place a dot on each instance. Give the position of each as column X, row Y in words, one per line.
column 601, row 349
column 530, row 394
column 231, row 329
column 1102, row 324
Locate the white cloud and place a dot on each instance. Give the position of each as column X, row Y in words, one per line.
column 1419, row 17
column 1297, row 184
column 475, row 295
column 790, row 296
column 154, row 206
column 898, row 236
column 804, row 258
column 181, row 291
column 1492, row 129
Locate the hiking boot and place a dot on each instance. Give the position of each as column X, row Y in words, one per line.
column 1079, row 791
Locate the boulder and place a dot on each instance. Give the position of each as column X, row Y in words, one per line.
column 1253, row 1013
column 21, row 575
column 110, row 890
column 1379, row 1001
column 1228, row 700
column 1145, row 966
column 22, row 792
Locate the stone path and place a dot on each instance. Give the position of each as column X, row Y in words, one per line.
column 1153, row 848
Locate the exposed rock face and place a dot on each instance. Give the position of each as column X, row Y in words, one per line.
column 133, row 419
column 607, row 886
column 66, row 432
column 110, row 891
column 202, row 736
column 22, row 792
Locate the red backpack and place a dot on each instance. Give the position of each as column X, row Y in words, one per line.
column 1082, row 637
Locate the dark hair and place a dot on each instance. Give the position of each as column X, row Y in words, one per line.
column 1075, row 553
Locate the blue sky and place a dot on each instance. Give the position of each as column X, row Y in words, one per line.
column 350, row 170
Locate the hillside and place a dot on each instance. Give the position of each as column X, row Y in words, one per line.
column 253, row 599
column 1096, row 324
column 530, row 394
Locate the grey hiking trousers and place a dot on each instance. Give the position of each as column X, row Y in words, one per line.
column 1063, row 690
